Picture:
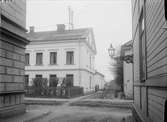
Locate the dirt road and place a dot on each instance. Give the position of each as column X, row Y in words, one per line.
column 67, row 113
column 82, row 114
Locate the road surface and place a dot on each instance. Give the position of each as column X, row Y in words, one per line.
column 67, row 113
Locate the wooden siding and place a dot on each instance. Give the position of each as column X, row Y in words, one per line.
column 150, row 96
column 135, row 35
column 156, row 38
column 15, row 11
column 156, row 103
column 11, row 73
column 137, row 96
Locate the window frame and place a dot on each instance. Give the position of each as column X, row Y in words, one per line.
column 55, row 76
column 54, row 60
column 67, row 75
column 70, row 58
column 26, row 78
column 40, row 62
column 27, row 62
column 142, row 45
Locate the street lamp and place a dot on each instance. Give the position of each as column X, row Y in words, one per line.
column 126, row 58
column 111, row 51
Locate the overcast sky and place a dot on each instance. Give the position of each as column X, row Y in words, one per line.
column 110, row 19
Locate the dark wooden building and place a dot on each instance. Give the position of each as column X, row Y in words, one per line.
column 150, row 59
column 12, row 49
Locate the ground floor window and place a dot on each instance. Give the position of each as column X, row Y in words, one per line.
column 53, row 80
column 26, row 79
column 38, row 76
column 70, row 79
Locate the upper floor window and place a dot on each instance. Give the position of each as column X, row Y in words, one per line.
column 142, row 45
column 27, row 59
column 39, row 58
column 70, row 57
column 53, row 58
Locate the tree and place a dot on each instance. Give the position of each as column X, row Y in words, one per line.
column 40, row 86
column 53, row 82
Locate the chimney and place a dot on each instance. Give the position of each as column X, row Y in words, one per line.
column 60, row 27
column 32, row 29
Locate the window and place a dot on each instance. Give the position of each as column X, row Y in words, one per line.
column 165, row 4
column 39, row 57
column 70, row 79
column 27, row 58
column 53, row 81
column 26, row 78
column 70, row 57
column 38, row 76
column 53, row 58
column 142, row 46
column 53, row 76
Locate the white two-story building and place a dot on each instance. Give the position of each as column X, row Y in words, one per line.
column 62, row 53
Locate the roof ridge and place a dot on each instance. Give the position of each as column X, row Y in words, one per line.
column 50, row 31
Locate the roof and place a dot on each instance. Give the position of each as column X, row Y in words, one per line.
column 128, row 44
column 64, row 35
column 58, row 36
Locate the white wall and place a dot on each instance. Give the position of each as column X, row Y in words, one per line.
column 99, row 80
column 82, row 70
column 60, row 48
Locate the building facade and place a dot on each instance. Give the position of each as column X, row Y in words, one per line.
column 62, row 53
column 12, row 49
column 126, row 50
column 99, row 80
column 150, row 59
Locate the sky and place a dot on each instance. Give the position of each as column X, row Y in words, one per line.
column 110, row 19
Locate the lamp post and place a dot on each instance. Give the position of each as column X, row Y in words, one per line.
column 111, row 51
column 126, row 58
